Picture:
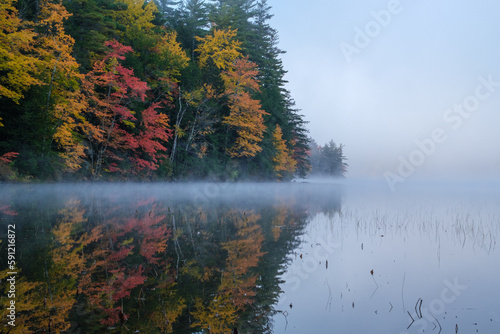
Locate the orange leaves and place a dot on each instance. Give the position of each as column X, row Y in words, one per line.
column 219, row 312
column 244, row 252
column 54, row 44
column 221, row 48
column 55, row 48
column 60, row 71
column 8, row 157
column 43, row 56
column 241, row 77
column 246, row 115
column 283, row 161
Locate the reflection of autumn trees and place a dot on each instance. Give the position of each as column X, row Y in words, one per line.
column 237, row 282
column 97, row 264
column 218, row 316
column 244, row 253
column 6, row 210
column 102, row 266
column 279, row 221
column 47, row 303
column 120, row 260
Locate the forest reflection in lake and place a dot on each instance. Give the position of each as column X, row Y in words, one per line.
column 153, row 258
column 251, row 258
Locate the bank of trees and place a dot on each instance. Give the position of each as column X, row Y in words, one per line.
column 135, row 89
column 327, row 160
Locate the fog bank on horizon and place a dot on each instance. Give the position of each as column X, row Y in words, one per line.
column 399, row 83
column 312, row 191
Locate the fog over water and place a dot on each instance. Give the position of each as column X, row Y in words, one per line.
column 298, row 257
column 417, row 66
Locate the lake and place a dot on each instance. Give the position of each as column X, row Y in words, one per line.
column 329, row 257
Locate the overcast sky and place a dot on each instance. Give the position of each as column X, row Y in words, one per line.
column 380, row 75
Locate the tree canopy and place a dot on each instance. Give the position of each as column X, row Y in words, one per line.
column 121, row 89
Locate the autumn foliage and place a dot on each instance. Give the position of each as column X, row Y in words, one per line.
column 59, row 69
column 113, row 127
column 246, row 114
column 283, row 161
column 8, row 157
column 221, row 47
column 17, row 65
column 143, row 90
column 109, row 279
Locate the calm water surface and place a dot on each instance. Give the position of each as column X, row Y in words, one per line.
column 251, row 258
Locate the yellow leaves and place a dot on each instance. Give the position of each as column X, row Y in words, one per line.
column 171, row 307
column 221, row 47
column 54, row 46
column 198, row 97
column 139, row 15
column 210, row 91
column 172, row 54
column 49, row 302
column 18, row 69
column 283, row 160
column 279, row 221
column 165, row 318
column 59, row 69
column 190, row 268
column 66, row 256
column 68, row 113
column 127, row 242
column 219, row 316
column 194, row 98
column 128, row 123
column 178, row 131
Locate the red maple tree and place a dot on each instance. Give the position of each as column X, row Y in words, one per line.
column 115, row 132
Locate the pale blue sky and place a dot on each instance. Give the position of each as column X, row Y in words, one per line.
column 397, row 89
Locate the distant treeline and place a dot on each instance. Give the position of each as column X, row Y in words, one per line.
column 327, row 160
column 147, row 90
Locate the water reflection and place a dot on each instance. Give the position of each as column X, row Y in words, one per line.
column 255, row 258
column 155, row 258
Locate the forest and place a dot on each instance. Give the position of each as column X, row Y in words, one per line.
column 149, row 90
